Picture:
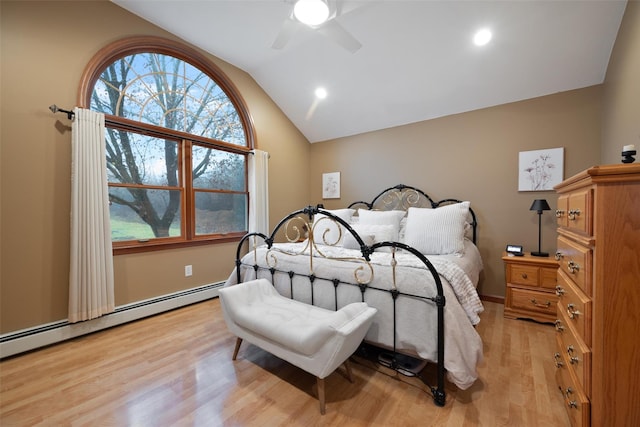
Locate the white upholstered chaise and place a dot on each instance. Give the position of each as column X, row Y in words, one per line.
column 312, row 338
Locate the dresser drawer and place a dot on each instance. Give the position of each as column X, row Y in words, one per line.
column 576, row 356
column 579, row 207
column 549, row 277
column 575, row 401
column 575, row 307
column 576, row 262
column 532, row 301
column 561, row 210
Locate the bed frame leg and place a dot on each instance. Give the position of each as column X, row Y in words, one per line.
column 321, row 394
column 439, row 396
column 235, row 351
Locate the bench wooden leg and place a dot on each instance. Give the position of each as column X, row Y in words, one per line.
column 347, row 365
column 235, row 351
column 321, row 394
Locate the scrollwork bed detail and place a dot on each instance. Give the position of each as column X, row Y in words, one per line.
column 334, row 277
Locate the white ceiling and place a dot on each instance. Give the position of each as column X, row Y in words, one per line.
column 417, row 59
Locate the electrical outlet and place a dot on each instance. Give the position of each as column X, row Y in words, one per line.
column 188, row 270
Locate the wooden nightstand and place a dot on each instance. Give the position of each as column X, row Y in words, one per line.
column 531, row 287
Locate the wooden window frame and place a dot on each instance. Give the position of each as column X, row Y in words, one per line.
column 145, row 44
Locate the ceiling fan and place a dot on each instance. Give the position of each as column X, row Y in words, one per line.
column 323, row 21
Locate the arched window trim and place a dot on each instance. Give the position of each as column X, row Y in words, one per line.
column 139, row 44
column 144, row 44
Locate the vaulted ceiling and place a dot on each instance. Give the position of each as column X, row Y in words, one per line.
column 416, row 62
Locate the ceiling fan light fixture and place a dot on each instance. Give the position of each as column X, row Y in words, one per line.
column 311, row 12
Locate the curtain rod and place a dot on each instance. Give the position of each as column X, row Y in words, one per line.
column 54, row 108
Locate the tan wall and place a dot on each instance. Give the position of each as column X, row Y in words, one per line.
column 621, row 101
column 472, row 156
column 45, row 47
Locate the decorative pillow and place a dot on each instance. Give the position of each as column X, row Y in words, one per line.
column 380, row 233
column 334, row 234
column 437, row 231
column 392, row 218
column 350, row 242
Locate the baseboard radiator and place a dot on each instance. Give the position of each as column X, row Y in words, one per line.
column 32, row 338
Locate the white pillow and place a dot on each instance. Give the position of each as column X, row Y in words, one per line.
column 437, row 231
column 350, row 242
column 334, row 234
column 380, row 233
column 392, row 218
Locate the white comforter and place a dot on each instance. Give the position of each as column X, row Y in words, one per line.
column 416, row 331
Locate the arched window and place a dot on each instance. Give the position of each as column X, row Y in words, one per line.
column 177, row 137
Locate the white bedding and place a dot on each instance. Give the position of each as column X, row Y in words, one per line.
column 416, row 331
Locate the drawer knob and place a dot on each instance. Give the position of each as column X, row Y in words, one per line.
column 559, row 213
column 557, row 359
column 573, row 267
column 541, row 305
column 559, row 290
column 524, row 275
column 558, row 325
column 573, row 214
column 571, row 310
column 559, row 256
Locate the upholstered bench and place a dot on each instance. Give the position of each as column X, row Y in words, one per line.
column 312, row 338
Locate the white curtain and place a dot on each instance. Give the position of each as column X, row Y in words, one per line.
column 259, row 192
column 91, row 292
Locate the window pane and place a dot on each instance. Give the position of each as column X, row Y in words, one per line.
column 140, row 213
column 218, row 170
column 166, row 91
column 140, row 159
column 220, row 213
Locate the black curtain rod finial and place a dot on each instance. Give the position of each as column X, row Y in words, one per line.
column 54, row 109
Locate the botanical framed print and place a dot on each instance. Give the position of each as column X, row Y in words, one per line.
column 331, row 185
column 540, row 170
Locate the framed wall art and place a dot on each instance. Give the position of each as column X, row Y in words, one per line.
column 540, row 170
column 331, row 185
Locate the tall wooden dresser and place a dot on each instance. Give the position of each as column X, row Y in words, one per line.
column 598, row 326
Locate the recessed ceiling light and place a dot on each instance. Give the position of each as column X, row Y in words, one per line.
column 321, row 93
column 311, row 12
column 482, row 37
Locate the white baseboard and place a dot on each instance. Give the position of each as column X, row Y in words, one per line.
column 32, row 338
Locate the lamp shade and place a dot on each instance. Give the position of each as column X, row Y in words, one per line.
column 540, row 205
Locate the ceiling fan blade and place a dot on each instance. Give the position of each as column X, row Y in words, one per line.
column 289, row 26
column 336, row 32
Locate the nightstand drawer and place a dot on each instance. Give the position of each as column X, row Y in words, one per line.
column 540, row 302
column 523, row 275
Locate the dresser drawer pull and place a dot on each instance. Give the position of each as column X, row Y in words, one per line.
column 537, row 304
column 559, row 256
column 558, row 325
column 572, row 404
column 572, row 312
column 556, row 358
column 572, row 359
column 559, row 290
column 573, row 213
column 573, row 267
column 524, row 275
column 559, row 213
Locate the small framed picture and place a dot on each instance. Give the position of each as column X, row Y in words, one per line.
column 331, row 185
column 540, row 170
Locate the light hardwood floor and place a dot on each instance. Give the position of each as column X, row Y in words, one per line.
column 175, row 369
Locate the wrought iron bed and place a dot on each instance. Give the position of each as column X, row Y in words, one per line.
column 265, row 257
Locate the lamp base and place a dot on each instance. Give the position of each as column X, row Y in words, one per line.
column 539, row 254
